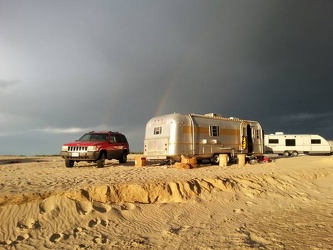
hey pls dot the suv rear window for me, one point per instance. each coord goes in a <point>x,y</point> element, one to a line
<point>120,138</point>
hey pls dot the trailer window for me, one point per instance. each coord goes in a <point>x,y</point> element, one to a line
<point>157,130</point>
<point>273,141</point>
<point>214,130</point>
<point>315,141</point>
<point>290,142</point>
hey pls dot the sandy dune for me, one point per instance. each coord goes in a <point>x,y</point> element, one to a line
<point>285,204</point>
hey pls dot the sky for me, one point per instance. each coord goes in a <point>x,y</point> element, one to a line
<point>71,66</point>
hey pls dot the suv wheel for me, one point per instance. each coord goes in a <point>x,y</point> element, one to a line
<point>101,161</point>
<point>123,158</point>
<point>69,163</point>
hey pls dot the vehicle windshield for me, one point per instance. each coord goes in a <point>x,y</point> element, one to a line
<point>94,137</point>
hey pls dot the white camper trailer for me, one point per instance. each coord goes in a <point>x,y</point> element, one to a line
<point>169,136</point>
<point>294,144</point>
<point>331,145</point>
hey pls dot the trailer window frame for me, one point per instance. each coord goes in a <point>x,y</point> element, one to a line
<point>157,130</point>
<point>214,131</point>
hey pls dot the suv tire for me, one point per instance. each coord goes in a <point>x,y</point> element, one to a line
<point>123,158</point>
<point>69,163</point>
<point>101,161</point>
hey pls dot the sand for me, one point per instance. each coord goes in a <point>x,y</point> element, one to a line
<point>284,204</point>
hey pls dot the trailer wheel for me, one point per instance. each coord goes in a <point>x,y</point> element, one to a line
<point>286,153</point>
<point>215,159</point>
<point>294,153</point>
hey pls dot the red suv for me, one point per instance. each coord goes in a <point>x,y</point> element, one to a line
<point>96,147</point>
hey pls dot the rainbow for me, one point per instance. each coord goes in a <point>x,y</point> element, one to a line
<point>165,97</point>
<point>187,59</point>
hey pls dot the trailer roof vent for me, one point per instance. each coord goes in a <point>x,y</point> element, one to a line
<point>213,115</point>
<point>233,118</point>
<point>279,133</point>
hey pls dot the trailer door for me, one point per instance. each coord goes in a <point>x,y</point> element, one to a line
<point>249,141</point>
<point>256,136</point>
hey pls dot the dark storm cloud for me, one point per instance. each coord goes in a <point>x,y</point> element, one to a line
<point>115,64</point>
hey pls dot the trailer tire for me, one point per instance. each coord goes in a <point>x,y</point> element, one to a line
<point>286,153</point>
<point>215,159</point>
<point>294,153</point>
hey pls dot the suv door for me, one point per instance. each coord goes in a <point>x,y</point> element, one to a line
<point>118,146</point>
<point>112,149</point>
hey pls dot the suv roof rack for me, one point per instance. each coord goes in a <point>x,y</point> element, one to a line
<point>93,131</point>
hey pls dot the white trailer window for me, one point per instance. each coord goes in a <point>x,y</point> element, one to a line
<point>157,130</point>
<point>273,141</point>
<point>290,142</point>
<point>315,141</point>
<point>214,130</point>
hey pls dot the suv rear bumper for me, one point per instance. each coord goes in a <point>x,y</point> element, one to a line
<point>80,156</point>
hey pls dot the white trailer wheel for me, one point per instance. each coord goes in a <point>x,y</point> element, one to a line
<point>294,153</point>
<point>285,153</point>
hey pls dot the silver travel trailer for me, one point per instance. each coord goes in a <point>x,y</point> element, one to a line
<point>167,137</point>
<point>294,144</point>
